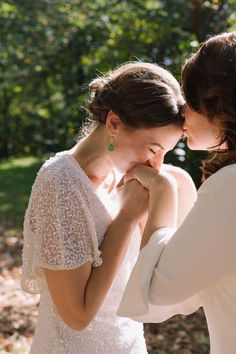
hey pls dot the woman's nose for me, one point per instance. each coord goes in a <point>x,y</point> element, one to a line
<point>157,160</point>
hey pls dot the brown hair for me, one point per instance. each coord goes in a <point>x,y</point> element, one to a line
<point>141,94</point>
<point>209,85</point>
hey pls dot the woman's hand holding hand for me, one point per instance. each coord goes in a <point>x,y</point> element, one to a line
<point>163,197</point>
<point>171,194</point>
<point>153,180</point>
<point>134,200</point>
<point>143,174</point>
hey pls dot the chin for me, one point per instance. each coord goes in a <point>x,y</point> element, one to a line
<point>197,148</point>
<point>193,146</point>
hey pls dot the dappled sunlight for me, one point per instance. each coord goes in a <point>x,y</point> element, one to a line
<point>50,50</point>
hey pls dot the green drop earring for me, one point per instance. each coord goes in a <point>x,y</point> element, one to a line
<point>111,146</point>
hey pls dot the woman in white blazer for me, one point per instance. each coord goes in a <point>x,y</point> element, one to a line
<point>182,268</point>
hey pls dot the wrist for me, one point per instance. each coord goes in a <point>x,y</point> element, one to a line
<point>162,180</point>
<point>127,219</point>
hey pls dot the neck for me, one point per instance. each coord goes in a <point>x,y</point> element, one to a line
<point>91,153</point>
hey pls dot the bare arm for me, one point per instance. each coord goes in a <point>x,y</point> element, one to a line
<point>79,293</point>
<point>187,193</point>
<point>163,207</point>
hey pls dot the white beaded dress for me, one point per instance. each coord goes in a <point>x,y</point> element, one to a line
<point>64,225</point>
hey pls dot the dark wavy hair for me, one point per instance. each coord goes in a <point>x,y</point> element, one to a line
<point>143,95</point>
<point>209,86</point>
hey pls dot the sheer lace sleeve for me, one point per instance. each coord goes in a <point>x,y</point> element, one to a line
<point>65,235</point>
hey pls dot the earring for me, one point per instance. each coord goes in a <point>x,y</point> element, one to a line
<point>111,146</point>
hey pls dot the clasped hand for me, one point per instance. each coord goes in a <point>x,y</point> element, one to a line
<point>141,185</point>
<point>151,179</point>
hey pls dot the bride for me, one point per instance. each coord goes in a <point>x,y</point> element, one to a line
<point>80,241</point>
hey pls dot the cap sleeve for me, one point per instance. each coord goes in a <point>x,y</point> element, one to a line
<point>65,235</point>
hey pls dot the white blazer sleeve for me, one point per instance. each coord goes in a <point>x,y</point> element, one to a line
<point>171,271</point>
<point>135,302</point>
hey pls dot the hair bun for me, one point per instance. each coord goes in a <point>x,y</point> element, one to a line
<point>141,94</point>
<point>98,83</point>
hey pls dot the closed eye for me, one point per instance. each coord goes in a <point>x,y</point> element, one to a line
<point>154,152</point>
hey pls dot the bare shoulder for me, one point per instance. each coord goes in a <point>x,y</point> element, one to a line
<point>182,176</point>
<point>187,193</point>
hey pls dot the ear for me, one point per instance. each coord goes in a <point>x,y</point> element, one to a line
<point>113,123</point>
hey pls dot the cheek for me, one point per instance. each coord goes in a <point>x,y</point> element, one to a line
<point>130,150</point>
<point>136,157</point>
<point>126,156</point>
<point>192,127</point>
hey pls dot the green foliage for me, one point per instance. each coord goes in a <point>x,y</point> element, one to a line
<point>50,50</point>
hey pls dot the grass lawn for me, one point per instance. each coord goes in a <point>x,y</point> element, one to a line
<point>16,178</point>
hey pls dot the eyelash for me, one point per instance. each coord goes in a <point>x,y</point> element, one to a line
<point>153,152</point>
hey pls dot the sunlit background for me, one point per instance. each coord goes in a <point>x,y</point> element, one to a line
<point>49,51</point>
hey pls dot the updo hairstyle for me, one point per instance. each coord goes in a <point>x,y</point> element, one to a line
<point>143,95</point>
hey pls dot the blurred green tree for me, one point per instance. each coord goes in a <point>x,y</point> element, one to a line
<point>50,49</point>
